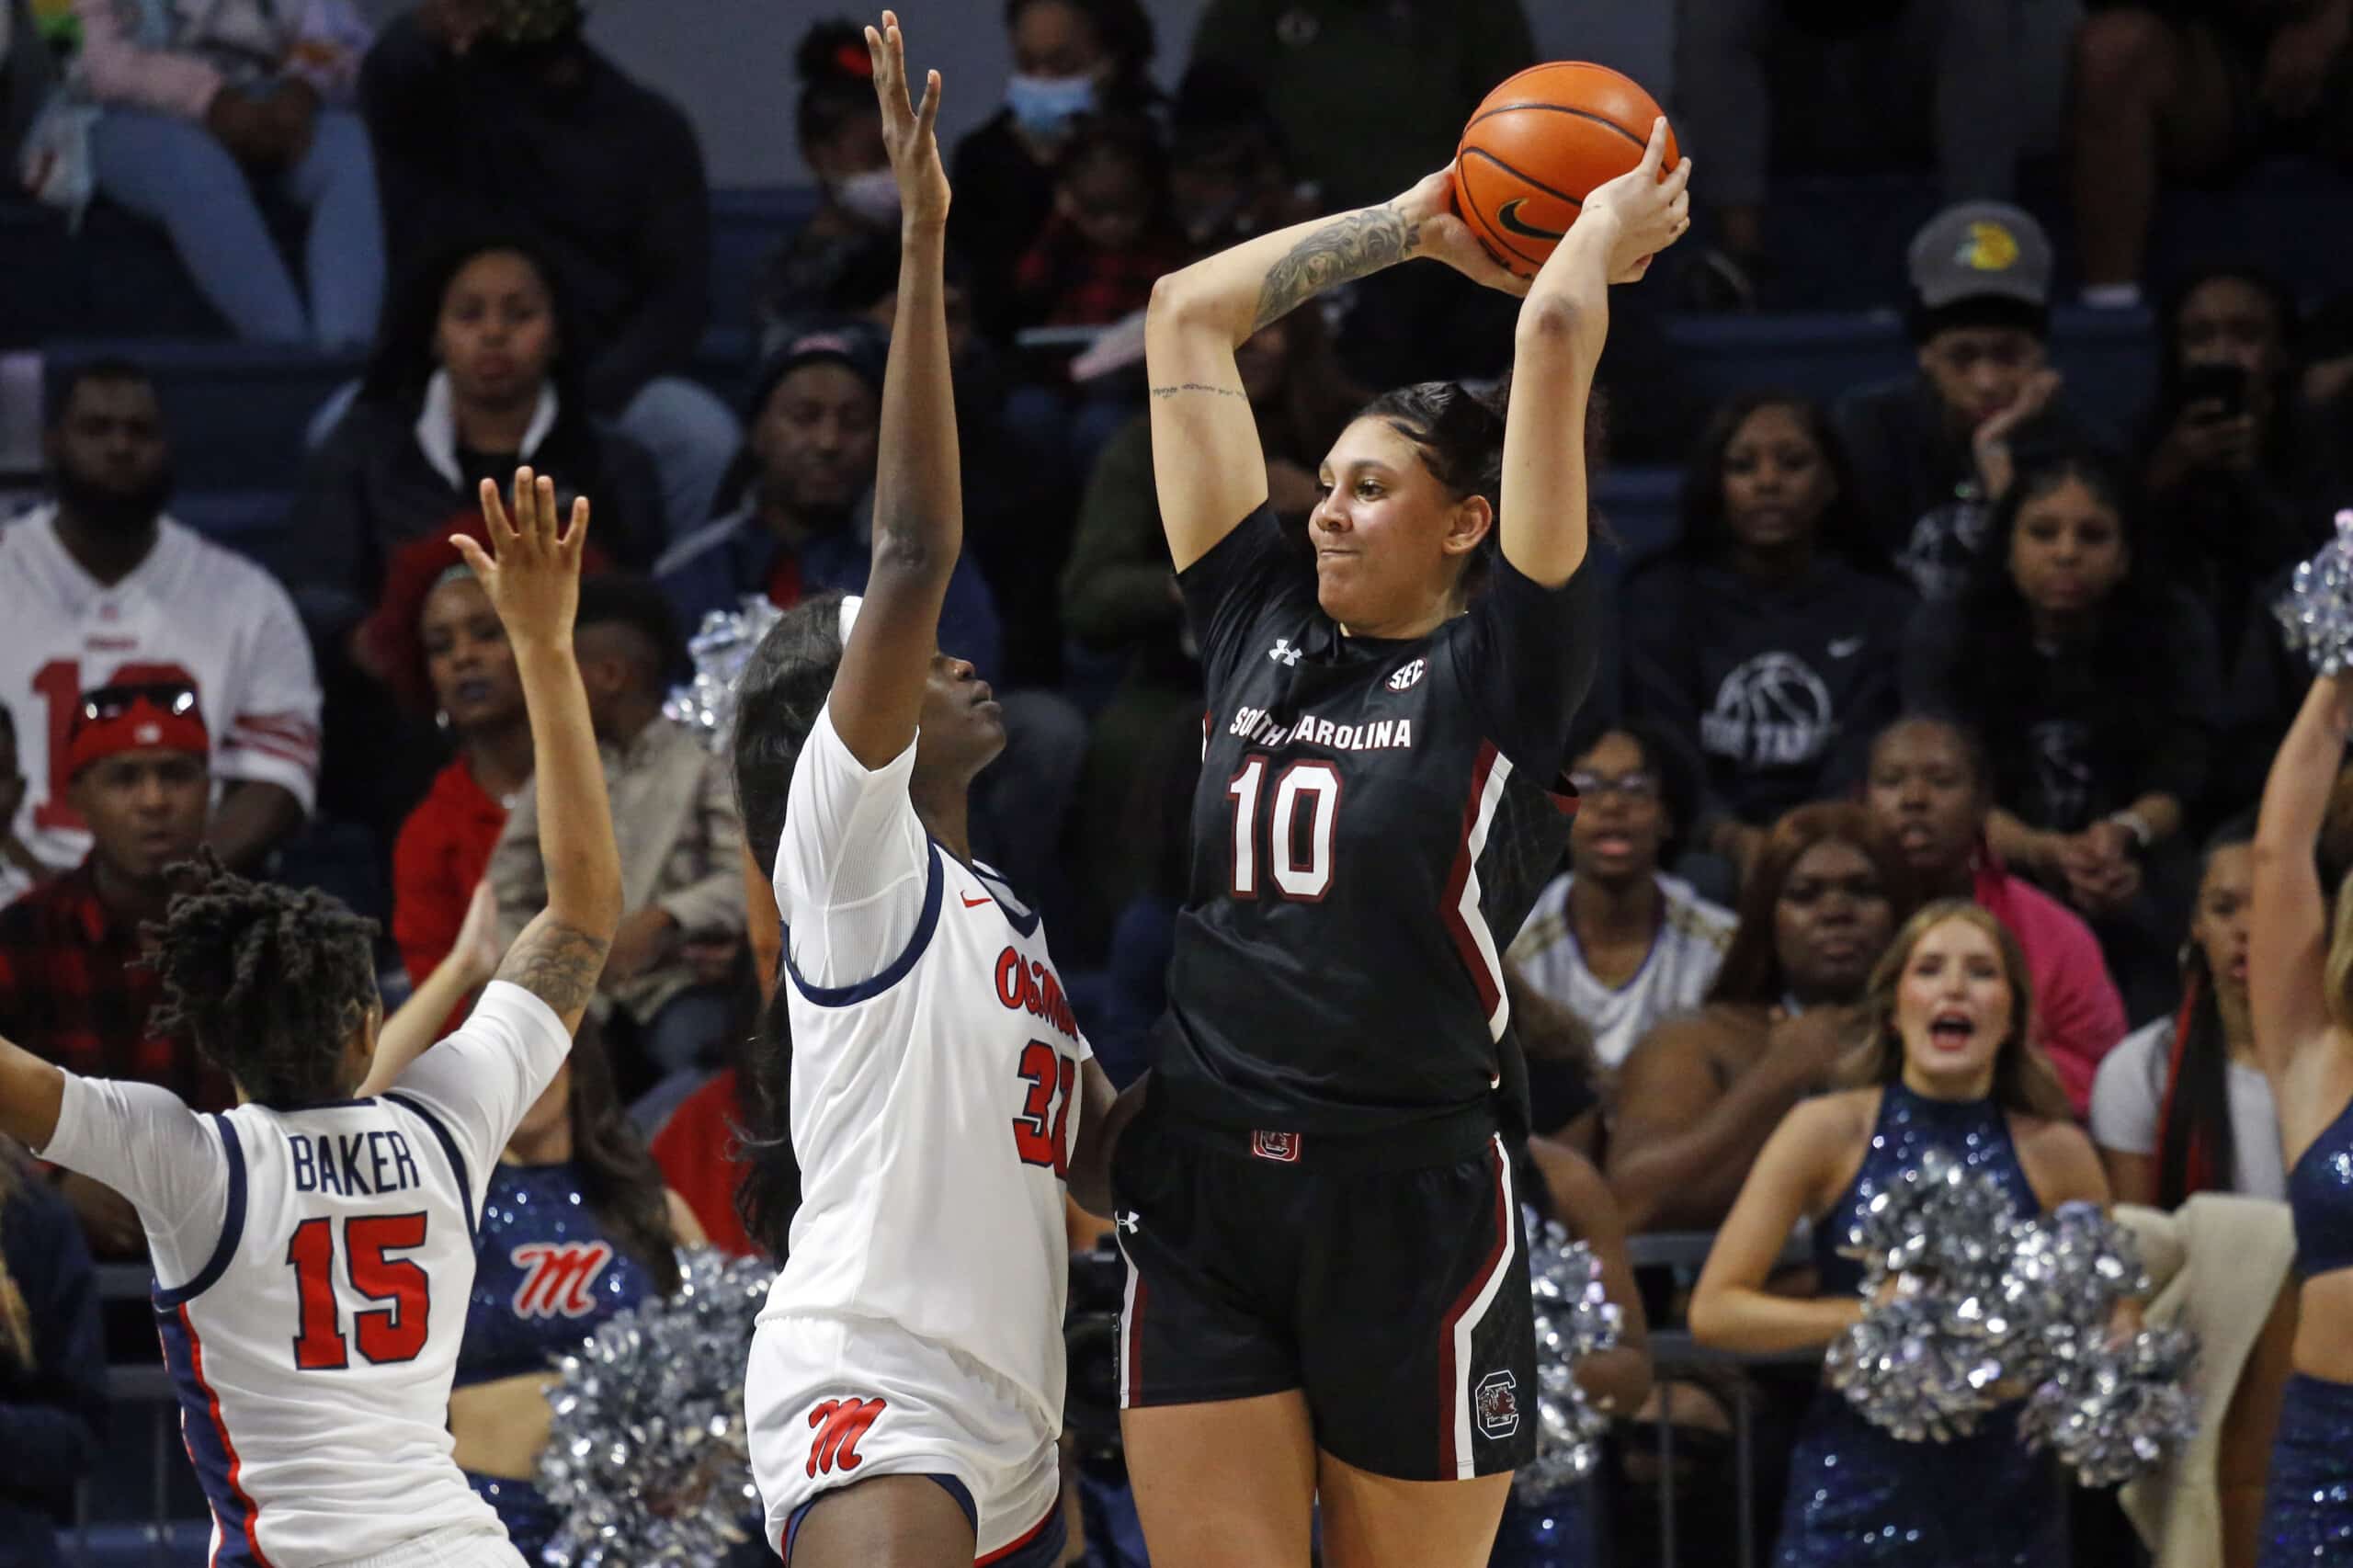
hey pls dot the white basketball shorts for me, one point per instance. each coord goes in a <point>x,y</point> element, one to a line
<point>831,1401</point>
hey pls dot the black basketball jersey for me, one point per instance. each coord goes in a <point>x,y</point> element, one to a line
<point>1373,822</point>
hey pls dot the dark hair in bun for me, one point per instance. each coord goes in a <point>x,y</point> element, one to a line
<point>836,80</point>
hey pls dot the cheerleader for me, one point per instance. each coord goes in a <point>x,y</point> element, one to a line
<point>1946,1063</point>
<point>2300,989</point>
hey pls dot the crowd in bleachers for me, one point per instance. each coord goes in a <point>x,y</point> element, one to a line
<point>1994,623</point>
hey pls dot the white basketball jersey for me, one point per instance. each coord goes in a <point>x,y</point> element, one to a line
<point>934,1081</point>
<point>324,1258</point>
<point>191,612</point>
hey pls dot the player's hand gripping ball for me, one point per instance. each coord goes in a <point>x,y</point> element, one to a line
<point>1538,145</point>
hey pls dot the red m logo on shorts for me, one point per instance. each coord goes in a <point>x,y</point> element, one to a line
<point>840,1423</point>
<point>557,1278</point>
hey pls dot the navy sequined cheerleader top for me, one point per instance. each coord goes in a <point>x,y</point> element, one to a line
<point>1857,1498</point>
<point>2320,1195</point>
<point>1975,1132</point>
<point>546,1275</point>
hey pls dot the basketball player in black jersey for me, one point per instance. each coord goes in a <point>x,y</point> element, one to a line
<point>1328,1289</point>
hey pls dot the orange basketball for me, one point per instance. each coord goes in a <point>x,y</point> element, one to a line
<point>1538,145</point>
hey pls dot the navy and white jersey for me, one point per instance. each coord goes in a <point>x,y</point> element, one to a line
<point>936,1091</point>
<point>311,1271</point>
<point>1373,822</point>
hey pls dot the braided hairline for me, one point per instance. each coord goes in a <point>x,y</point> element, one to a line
<point>267,982</point>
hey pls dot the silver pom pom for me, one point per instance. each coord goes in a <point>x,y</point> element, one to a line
<point>2316,612</point>
<point>1574,1318</point>
<point>1904,1370</point>
<point>707,703</point>
<point>647,1454</point>
<point>2112,1411</point>
<point>1929,1353</point>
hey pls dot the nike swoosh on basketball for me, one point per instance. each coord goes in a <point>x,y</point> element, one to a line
<point>1509,216</point>
<point>971,902</point>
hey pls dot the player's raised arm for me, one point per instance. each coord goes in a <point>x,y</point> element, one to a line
<point>532,575</point>
<point>919,498</point>
<point>2288,911</point>
<point>1557,347</point>
<point>1207,465</point>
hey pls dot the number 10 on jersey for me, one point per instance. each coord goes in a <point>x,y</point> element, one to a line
<point>1301,872</point>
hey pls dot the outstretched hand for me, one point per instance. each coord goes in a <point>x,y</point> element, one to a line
<point>532,570</point>
<point>1649,206</point>
<point>908,127</point>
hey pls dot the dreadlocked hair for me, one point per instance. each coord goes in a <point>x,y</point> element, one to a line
<point>267,982</point>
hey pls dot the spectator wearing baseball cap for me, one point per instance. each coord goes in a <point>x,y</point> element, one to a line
<point>1933,452</point>
<point>74,986</point>
<point>798,519</point>
<point>796,511</point>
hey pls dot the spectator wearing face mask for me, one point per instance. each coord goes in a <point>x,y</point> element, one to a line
<point>840,136</point>
<point>1071,59</point>
<point>1934,451</point>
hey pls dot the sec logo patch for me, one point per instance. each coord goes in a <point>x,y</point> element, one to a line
<point>1408,675</point>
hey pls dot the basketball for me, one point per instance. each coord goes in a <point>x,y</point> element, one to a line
<point>1538,145</point>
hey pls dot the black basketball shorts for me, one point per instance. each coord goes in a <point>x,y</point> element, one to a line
<point>1386,1277</point>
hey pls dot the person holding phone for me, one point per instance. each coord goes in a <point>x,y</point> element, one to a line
<point>2229,464</point>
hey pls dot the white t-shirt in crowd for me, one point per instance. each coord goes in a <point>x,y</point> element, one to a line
<point>2129,1101</point>
<point>1683,961</point>
<point>191,612</point>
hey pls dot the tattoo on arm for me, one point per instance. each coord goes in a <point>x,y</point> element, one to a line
<point>1356,245</point>
<point>1164,394</point>
<point>557,963</point>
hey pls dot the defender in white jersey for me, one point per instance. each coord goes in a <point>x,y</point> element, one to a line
<point>313,1247</point>
<point>102,589</point>
<point>905,1388</point>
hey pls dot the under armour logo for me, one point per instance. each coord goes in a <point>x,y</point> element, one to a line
<point>1283,654</point>
<point>1125,1219</point>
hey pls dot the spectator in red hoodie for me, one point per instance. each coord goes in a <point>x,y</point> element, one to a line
<point>1927,784</point>
<point>435,641</point>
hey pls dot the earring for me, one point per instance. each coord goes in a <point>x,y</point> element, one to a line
<point>441,720</point>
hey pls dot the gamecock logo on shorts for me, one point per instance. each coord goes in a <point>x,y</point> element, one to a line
<point>1280,1147</point>
<point>1499,1404</point>
<point>840,1423</point>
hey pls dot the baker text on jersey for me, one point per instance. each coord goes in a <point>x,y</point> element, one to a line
<point>352,1164</point>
